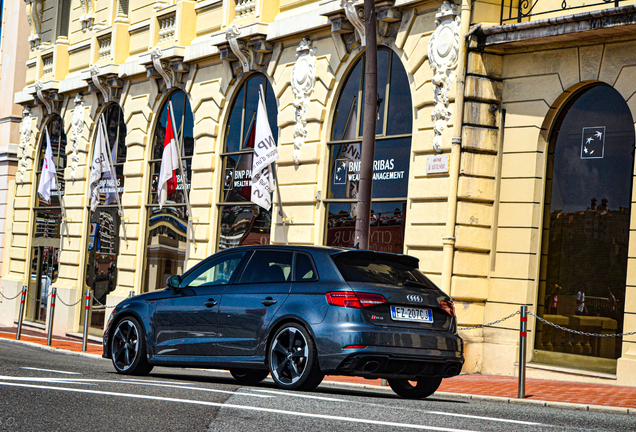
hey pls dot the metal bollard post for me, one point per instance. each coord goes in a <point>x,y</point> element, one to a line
<point>49,331</point>
<point>87,310</point>
<point>22,299</point>
<point>131,294</point>
<point>522,352</point>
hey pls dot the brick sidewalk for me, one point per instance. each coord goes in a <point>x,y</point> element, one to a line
<point>476,384</point>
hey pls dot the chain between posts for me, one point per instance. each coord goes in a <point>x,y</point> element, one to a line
<point>40,299</point>
<point>102,304</point>
<point>580,332</point>
<point>66,304</point>
<point>489,324</point>
<point>11,298</point>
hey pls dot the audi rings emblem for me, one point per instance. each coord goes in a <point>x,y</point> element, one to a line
<point>414,298</point>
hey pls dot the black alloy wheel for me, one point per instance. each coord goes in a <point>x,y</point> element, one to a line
<point>293,361</point>
<point>128,348</point>
<point>424,387</point>
<point>249,377</point>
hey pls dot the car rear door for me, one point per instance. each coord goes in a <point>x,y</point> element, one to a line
<point>247,307</point>
<point>186,321</point>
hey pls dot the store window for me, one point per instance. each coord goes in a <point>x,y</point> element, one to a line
<point>391,163</point>
<point>586,227</point>
<point>241,222</point>
<point>166,242</point>
<point>45,250</point>
<point>103,239</point>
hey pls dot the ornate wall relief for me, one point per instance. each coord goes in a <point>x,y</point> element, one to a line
<point>25,141</point>
<point>109,85</point>
<point>162,67</point>
<point>87,18</point>
<point>35,13</point>
<point>238,47</point>
<point>303,80</point>
<point>77,127</point>
<point>354,18</point>
<point>443,49</point>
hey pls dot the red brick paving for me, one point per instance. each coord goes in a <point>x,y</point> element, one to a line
<point>474,384</point>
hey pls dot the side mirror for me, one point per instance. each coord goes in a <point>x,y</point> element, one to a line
<point>174,283</point>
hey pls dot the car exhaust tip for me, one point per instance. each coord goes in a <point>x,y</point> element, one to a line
<point>371,366</point>
<point>451,370</point>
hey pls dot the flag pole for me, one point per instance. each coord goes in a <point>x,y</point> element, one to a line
<point>64,226</point>
<point>113,174</point>
<point>186,192</point>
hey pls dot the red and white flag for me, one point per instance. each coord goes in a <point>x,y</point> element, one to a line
<point>48,178</point>
<point>169,164</point>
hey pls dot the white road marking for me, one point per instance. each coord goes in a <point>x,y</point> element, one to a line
<point>241,407</point>
<point>401,408</point>
<point>88,380</point>
<point>50,370</point>
<point>153,381</point>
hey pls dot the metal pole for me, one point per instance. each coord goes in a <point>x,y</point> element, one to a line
<point>363,216</point>
<point>87,310</point>
<point>49,331</point>
<point>22,299</point>
<point>522,352</point>
<point>131,293</point>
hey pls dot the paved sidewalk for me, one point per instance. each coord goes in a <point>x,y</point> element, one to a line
<point>584,396</point>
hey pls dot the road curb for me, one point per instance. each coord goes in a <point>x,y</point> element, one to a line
<point>54,349</point>
<point>386,389</point>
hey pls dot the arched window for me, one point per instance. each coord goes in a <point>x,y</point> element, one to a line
<point>168,226</point>
<point>45,252</point>
<point>241,222</point>
<point>586,227</point>
<point>103,240</point>
<point>391,163</point>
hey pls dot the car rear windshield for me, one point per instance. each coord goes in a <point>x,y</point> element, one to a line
<point>374,268</point>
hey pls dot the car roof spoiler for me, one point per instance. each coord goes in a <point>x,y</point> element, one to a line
<point>369,255</point>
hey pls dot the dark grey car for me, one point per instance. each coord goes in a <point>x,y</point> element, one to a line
<point>297,312</point>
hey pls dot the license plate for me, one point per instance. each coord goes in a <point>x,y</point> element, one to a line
<point>411,314</point>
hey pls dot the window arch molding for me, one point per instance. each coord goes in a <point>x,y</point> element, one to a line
<point>587,189</point>
<point>394,129</point>
<point>241,222</point>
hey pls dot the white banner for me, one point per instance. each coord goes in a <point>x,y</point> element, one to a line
<point>265,153</point>
<point>47,177</point>
<point>101,165</point>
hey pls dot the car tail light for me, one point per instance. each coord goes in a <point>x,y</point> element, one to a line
<point>355,347</point>
<point>448,307</point>
<point>352,299</point>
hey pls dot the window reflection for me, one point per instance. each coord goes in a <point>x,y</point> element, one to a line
<point>589,204</point>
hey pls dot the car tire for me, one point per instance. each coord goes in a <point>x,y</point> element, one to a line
<point>249,377</point>
<point>293,359</point>
<point>128,348</point>
<point>424,387</point>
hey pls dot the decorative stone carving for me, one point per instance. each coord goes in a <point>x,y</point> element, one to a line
<point>238,47</point>
<point>97,82</point>
<point>87,19</point>
<point>443,49</point>
<point>244,9</point>
<point>77,127</point>
<point>303,80</point>
<point>25,141</point>
<point>35,13</point>
<point>42,97</point>
<point>162,67</point>
<point>352,16</point>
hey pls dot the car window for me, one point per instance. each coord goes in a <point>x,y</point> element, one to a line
<point>215,272</point>
<point>375,269</point>
<point>305,269</point>
<point>267,266</point>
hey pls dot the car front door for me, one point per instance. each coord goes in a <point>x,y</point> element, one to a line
<point>247,307</point>
<point>186,320</point>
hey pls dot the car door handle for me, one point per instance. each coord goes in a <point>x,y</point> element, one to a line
<point>268,301</point>
<point>211,303</point>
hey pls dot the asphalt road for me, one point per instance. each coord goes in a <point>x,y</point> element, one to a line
<point>51,391</point>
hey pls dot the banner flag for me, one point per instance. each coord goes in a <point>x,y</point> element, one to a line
<point>265,153</point>
<point>48,175</point>
<point>101,166</point>
<point>169,163</point>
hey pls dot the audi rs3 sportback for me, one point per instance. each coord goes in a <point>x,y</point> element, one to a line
<point>297,312</point>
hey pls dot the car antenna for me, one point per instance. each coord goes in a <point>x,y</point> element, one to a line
<point>357,246</point>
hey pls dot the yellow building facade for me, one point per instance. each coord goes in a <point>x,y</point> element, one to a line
<point>489,165</point>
